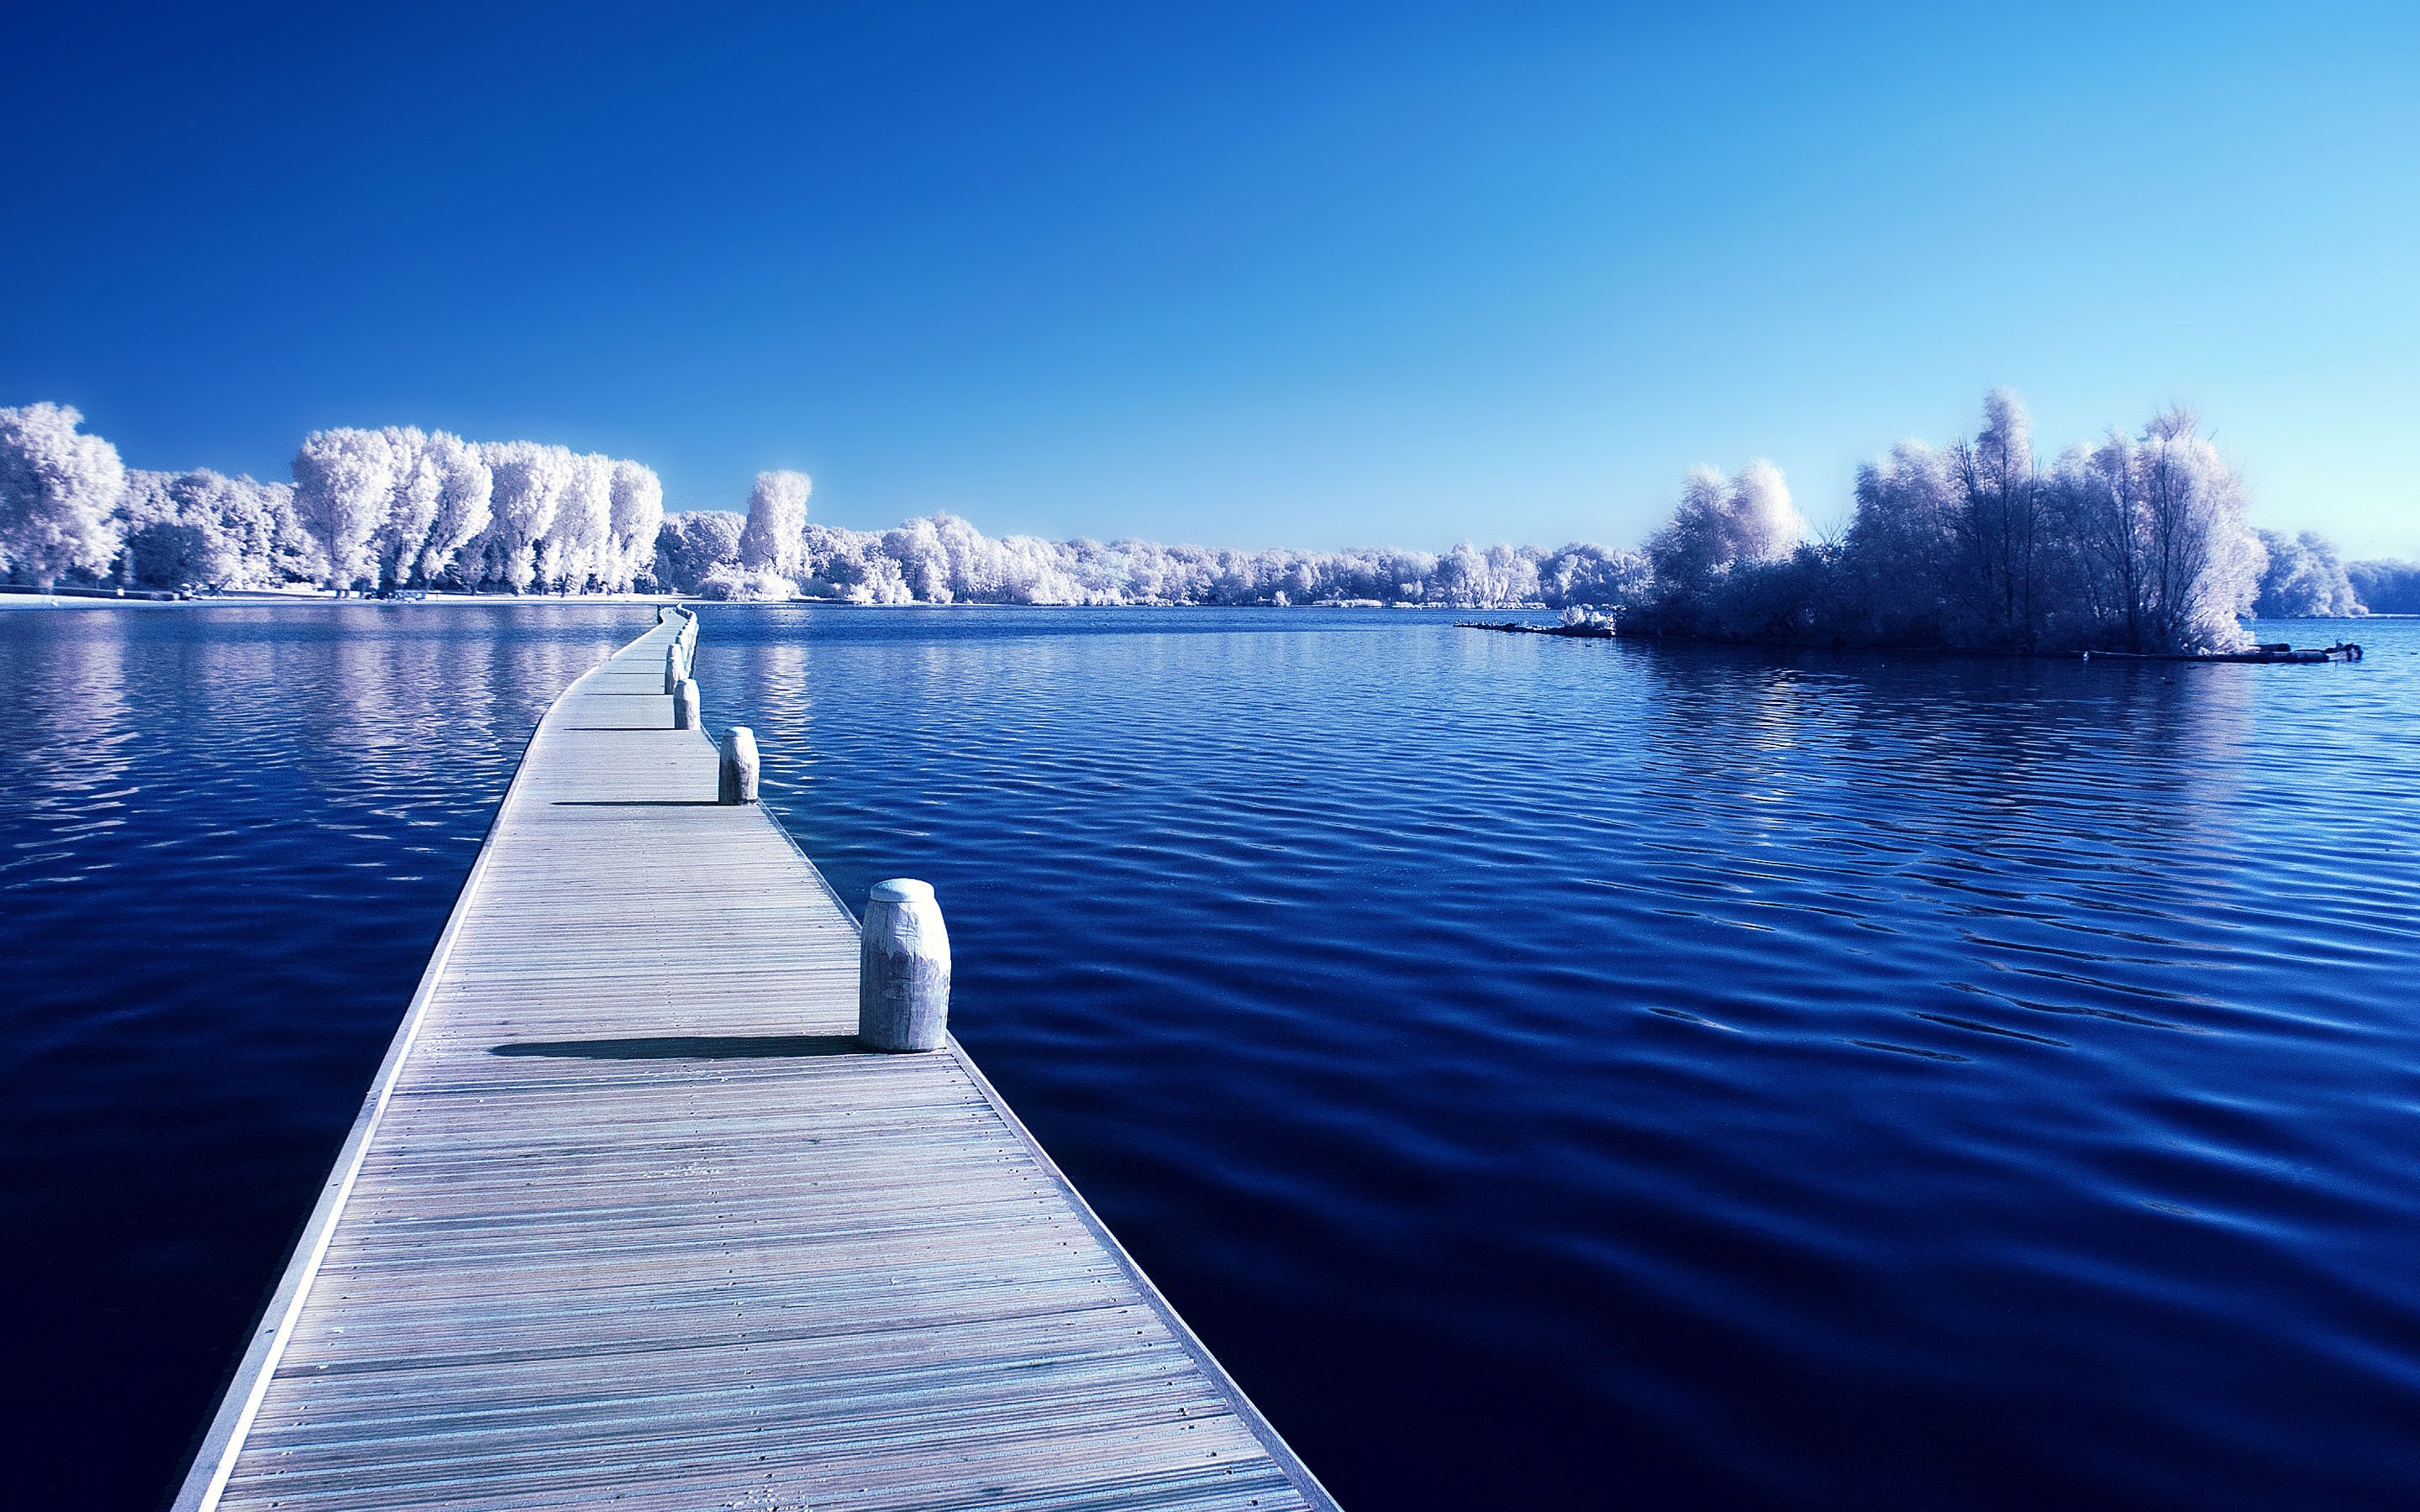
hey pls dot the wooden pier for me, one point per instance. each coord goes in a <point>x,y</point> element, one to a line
<point>629,1218</point>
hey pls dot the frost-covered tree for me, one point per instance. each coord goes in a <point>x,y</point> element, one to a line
<point>638,497</point>
<point>2303,578</point>
<point>1720,523</point>
<point>1903,552</point>
<point>2153,524</point>
<point>203,527</point>
<point>1997,520</point>
<point>774,540</point>
<point>343,482</point>
<point>2205,559</point>
<point>396,545</point>
<point>923,558</point>
<point>527,483</point>
<point>691,545</point>
<point>168,541</point>
<point>2134,544</point>
<point>579,548</point>
<point>466,487</point>
<point>1497,578</point>
<point>1721,529</point>
<point>1583,575</point>
<point>58,491</point>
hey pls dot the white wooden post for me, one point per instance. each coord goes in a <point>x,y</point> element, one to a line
<point>737,782</point>
<point>675,668</point>
<point>903,969</point>
<point>685,705</point>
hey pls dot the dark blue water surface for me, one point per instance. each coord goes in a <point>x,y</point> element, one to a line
<point>1547,1072</point>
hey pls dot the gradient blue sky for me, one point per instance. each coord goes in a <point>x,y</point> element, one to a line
<point>1243,275</point>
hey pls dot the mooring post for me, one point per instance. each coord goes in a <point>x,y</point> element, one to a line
<point>675,668</point>
<point>685,705</point>
<point>737,781</point>
<point>903,968</point>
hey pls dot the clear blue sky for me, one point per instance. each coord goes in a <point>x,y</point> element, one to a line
<point>1242,275</point>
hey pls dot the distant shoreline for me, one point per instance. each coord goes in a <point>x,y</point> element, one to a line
<point>18,598</point>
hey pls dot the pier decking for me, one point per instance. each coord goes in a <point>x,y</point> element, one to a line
<point>628,1218</point>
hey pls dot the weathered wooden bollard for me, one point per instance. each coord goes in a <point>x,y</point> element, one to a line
<point>685,705</point>
<point>737,781</point>
<point>903,969</point>
<point>675,668</point>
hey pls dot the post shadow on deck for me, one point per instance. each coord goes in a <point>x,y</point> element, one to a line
<point>903,998</point>
<point>688,1047</point>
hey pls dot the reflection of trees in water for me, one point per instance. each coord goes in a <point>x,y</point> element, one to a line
<point>771,664</point>
<point>74,738</point>
<point>398,701</point>
<point>2031,814</point>
<point>1979,736</point>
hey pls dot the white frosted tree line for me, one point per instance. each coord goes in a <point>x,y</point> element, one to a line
<point>392,507</point>
<point>944,559</point>
<point>204,527</point>
<point>2135,542</point>
<point>774,550</point>
<point>400,507</point>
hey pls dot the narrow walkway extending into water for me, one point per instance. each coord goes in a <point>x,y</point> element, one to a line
<point>628,1218</point>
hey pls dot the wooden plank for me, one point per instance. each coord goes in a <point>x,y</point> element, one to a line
<point>627,1217</point>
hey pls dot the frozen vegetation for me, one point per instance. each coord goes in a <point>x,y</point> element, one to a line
<point>943,559</point>
<point>2386,587</point>
<point>2301,578</point>
<point>392,508</point>
<point>2135,541</point>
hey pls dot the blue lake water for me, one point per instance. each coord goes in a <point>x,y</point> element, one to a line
<point>1547,1072</point>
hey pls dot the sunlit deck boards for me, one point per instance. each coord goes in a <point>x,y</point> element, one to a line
<point>628,1220</point>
